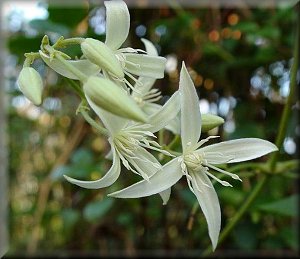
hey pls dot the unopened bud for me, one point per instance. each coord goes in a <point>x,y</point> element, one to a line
<point>108,96</point>
<point>210,121</point>
<point>101,55</point>
<point>31,84</point>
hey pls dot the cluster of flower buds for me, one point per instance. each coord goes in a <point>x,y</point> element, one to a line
<point>116,83</point>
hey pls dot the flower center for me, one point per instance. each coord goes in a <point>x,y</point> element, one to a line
<point>194,161</point>
<point>128,143</point>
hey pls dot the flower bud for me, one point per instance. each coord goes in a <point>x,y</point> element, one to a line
<point>108,96</point>
<point>101,55</point>
<point>31,84</point>
<point>210,121</point>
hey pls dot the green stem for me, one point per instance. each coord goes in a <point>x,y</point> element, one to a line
<point>174,142</point>
<point>94,124</point>
<point>76,72</point>
<point>76,87</point>
<point>279,141</point>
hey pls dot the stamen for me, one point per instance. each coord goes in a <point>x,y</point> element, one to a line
<point>224,183</point>
<point>234,176</point>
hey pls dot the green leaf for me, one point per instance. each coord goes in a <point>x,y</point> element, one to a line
<point>284,207</point>
<point>97,209</point>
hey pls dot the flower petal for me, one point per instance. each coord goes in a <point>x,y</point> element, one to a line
<point>142,86</point>
<point>117,23</point>
<point>237,150</point>
<point>150,48</point>
<point>151,108</point>
<point>145,65</point>
<point>167,113</point>
<point>209,203</point>
<point>84,65</point>
<point>190,112</point>
<point>145,161</point>
<point>174,125</point>
<point>165,195</point>
<point>112,122</point>
<point>108,179</point>
<point>160,181</point>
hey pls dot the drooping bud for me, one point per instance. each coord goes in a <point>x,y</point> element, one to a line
<point>31,84</point>
<point>108,96</point>
<point>210,121</point>
<point>101,55</point>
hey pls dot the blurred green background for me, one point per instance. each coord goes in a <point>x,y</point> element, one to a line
<point>239,60</point>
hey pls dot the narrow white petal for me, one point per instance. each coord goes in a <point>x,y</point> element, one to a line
<point>142,86</point>
<point>167,113</point>
<point>174,125</point>
<point>237,150</point>
<point>85,66</point>
<point>146,161</point>
<point>151,108</point>
<point>108,179</point>
<point>209,203</point>
<point>112,122</point>
<point>150,48</point>
<point>160,181</point>
<point>117,23</point>
<point>190,112</point>
<point>165,195</point>
<point>145,65</point>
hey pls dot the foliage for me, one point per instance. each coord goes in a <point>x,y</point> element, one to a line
<point>240,59</point>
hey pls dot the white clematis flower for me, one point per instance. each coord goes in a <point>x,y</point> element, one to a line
<point>117,62</point>
<point>129,141</point>
<point>146,96</point>
<point>195,161</point>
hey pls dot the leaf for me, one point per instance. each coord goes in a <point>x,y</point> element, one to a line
<point>284,207</point>
<point>97,209</point>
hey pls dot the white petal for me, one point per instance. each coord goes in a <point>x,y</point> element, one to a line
<point>190,112</point>
<point>160,181</point>
<point>237,150</point>
<point>209,203</point>
<point>143,85</point>
<point>150,48</point>
<point>145,161</point>
<point>84,65</point>
<point>108,179</point>
<point>145,65</point>
<point>165,195</point>
<point>168,112</point>
<point>151,108</point>
<point>112,122</point>
<point>174,125</point>
<point>117,23</point>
